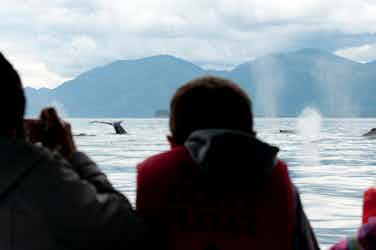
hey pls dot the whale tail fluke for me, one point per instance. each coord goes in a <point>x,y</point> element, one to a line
<point>116,125</point>
<point>118,128</point>
<point>101,122</point>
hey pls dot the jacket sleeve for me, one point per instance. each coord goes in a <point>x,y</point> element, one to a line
<point>82,208</point>
<point>89,171</point>
<point>304,235</point>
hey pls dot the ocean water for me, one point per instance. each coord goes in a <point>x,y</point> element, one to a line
<point>329,161</point>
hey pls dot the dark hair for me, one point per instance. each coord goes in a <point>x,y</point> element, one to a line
<point>12,98</point>
<point>209,103</point>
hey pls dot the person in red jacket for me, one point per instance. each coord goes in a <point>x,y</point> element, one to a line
<point>219,187</point>
<point>365,239</point>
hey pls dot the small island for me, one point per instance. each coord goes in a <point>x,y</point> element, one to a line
<point>161,113</point>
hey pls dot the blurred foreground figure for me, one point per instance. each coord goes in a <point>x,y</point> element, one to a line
<point>52,196</point>
<point>219,187</point>
<point>366,236</point>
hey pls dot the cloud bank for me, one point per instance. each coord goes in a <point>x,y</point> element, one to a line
<point>50,41</point>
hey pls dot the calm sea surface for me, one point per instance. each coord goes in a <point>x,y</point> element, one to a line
<point>328,159</point>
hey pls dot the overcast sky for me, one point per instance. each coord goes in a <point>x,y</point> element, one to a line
<point>50,41</point>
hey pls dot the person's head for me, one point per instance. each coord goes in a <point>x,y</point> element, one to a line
<point>12,99</point>
<point>209,103</point>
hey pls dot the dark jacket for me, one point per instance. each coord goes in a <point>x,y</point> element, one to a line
<point>219,166</point>
<point>47,202</point>
<point>216,150</point>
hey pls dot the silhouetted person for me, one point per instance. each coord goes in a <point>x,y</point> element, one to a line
<point>52,196</point>
<point>219,187</point>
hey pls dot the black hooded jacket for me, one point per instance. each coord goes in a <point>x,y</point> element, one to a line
<point>50,203</point>
<point>225,156</point>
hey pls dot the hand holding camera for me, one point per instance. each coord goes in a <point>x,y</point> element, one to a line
<point>51,131</point>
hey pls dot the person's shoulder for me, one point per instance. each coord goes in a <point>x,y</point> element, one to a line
<point>281,167</point>
<point>280,163</point>
<point>164,159</point>
<point>173,154</point>
<point>343,245</point>
<point>281,173</point>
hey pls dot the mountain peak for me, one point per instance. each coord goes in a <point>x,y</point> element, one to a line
<point>157,60</point>
<point>314,54</point>
<point>164,57</point>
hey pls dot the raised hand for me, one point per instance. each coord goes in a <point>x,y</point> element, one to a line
<point>58,135</point>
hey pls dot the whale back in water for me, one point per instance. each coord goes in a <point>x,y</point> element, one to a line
<point>116,125</point>
<point>82,134</point>
<point>372,133</point>
<point>287,131</point>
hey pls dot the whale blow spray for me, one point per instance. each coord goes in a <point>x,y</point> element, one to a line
<point>309,129</point>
